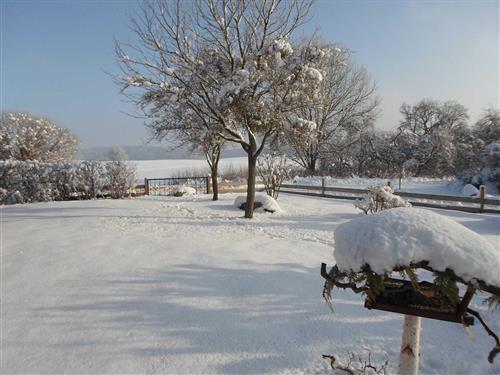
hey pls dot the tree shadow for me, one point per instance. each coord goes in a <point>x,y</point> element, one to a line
<point>262,318</point>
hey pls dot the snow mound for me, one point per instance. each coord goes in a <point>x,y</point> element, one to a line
<point>182,190</point>
<point>470,190</point>
<point>268,203</point>
<point>404,235</point>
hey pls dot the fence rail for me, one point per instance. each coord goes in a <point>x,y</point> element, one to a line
<point>473,204</point>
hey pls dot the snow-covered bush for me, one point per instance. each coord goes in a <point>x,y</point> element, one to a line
<point>27,137</point>
<point>120,175</point>
<point>27,181</point>
<point>34,181</point>
<point>182,190</point>
<point>273,169</point>
<point>262,202</point>
<point>92,173</point>
<point>380,198</point>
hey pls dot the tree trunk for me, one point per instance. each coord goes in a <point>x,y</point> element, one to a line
<point>311,168</point>
<point>410,346</point>
<point>252,166</point>
<point>215,183</point>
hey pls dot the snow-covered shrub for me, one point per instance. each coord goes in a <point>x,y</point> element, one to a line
<point>262,202</point>
<point>273,169</point>
<point>180,191</point>
<point>380,198</point>
<point>26,181</point>
<point>27,137</point>
<point>120,175</point>
<point>7,197</point>
<point>34,181</point>
<point>92,175</point>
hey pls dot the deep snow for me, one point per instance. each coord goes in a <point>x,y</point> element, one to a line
<point>186,285</point>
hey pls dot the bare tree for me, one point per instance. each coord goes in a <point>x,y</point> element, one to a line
<point>228,62</point>
<point>343,104</point>
<point>195,132</point>
<point>27,137</point>
<point>487,128</point>
<point>427,132</point>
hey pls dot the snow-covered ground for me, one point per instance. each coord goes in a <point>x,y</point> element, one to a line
<point>169,168</point>
<point>186,285</point>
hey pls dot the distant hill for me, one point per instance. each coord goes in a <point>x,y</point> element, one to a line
<point>150,153</point>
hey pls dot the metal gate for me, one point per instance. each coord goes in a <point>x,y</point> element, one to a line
<point>165,186</point>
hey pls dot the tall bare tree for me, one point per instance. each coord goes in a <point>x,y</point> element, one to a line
<point>342,105</point>
<point>227,61</point>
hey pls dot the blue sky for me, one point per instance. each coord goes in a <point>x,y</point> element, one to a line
<point>55,56</point>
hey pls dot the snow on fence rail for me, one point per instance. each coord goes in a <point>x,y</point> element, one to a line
<point>472,204</point>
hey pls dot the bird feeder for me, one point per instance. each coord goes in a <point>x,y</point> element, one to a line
<point>400,296</point>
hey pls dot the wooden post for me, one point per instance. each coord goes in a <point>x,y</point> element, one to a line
<point>146,186</point>
<point>482,193</point>
<point>323,186</point>
<point>410,346</point>
<point>208,184</point>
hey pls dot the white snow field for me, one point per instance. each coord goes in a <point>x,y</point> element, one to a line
<point>168,168</point>
<point>165,285</point>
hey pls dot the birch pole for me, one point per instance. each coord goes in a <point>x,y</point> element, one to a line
<point>410,346</point>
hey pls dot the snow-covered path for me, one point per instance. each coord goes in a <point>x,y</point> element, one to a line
<point>186,285</point>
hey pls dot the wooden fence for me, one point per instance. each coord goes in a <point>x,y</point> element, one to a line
<point>479,204</point>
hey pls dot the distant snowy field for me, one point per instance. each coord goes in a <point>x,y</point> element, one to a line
<point>169,168</point>
<point>160,285</point>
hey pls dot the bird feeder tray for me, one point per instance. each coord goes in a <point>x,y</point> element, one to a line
<point>401,297</point>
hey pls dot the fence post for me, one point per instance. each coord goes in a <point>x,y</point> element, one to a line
<point>322,186</point>
<point>146,186</point>
<point>482,193</point>
<point>208,184</point>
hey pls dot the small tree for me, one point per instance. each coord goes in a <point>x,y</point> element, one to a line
<point>120,175</point>
<point>27,137</point>
<point>273,169</point>
<point>196,133</point>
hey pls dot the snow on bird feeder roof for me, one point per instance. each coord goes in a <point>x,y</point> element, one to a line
<point>401,236</point>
